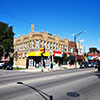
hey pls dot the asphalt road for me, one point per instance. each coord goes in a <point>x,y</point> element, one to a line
<point>78,84</point>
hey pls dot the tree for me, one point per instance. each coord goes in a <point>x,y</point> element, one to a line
<point>6,38</point>
<point>16,55</point>
<point>93,50</point>
<point>65,58</point>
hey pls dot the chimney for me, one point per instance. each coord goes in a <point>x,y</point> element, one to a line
<point>32,27</point>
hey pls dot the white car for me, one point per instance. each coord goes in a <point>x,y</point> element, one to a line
<point>1,64</point>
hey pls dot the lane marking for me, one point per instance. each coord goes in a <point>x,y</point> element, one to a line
<point>45,78</point>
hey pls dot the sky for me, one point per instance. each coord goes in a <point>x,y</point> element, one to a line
<point>59,17</point>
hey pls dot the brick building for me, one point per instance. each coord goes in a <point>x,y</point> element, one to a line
<point>27,47</point>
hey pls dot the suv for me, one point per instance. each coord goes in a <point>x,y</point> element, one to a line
<point>1,64</point>
<point>84,65</point>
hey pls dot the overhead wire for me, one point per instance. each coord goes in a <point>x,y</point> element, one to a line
<point>27,22</point>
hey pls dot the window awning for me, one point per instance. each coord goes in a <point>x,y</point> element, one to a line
<point>38,54</point>
<point>90,58</point>
<point>67,54</point>
<point>57,53</point>
<point>79,57</point>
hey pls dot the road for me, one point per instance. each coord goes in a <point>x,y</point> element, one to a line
<point>78,84</point>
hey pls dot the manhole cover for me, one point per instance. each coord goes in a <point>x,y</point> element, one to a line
<point>73,94</point>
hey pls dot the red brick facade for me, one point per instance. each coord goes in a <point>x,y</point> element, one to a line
<point>71,44</point>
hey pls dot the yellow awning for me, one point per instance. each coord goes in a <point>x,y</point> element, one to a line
<point>46,54</point>
<point>34,54</point>
<point>38,54</point>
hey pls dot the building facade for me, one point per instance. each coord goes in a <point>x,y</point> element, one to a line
<point>28,47</point>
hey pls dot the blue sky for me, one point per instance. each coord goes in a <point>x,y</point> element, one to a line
<point>60,17</point>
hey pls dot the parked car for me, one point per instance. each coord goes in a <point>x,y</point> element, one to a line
<point>1,64</point>
<point>96,65</point>
<point>90,64</point>
<point>84,65</point>
<point>8,66</point>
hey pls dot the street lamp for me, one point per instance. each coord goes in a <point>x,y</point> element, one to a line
<point>75,37</point>
<point>3,52</point>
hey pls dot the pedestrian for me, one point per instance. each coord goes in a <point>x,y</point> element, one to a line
<point>99,67</point>
<point>42,67</point>
<point>51,66</point>
<point>44,63</point>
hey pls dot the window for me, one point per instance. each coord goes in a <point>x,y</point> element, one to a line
<point>37,42</point>
<point>59,46</point>
<point>28,44</point>
<point>33,44</point>
<point>48,45</point>
<point>80,51</point>
<point>51,45</point>
<point>71,50</point>
<point>65,48</point>
<point>41,44</point>
<point>54,46</point>
<point>44,43</point>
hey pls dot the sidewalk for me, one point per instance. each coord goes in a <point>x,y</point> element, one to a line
<point>48,69</point>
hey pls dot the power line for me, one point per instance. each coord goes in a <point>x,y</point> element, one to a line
<point>27,22</point>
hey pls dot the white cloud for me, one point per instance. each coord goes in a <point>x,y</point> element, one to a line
<point>99,40</point>
<point>82,40</point>
<point>73,34</point>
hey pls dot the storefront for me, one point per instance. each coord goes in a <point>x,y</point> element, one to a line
<point>80,59</point>
<point>57,57</point>
<point>34,59</point>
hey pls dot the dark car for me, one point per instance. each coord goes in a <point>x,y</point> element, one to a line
<point>84,65</point>
<point>96,65</point>
<point>8,66</point>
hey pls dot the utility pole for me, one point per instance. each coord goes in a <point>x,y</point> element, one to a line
<point>42,59</point>
<point>76,50</point>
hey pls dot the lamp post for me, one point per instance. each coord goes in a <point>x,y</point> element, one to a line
<point>75,38</point>
<point>3,52</point>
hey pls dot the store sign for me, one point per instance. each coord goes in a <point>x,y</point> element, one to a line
<point>57,53</point>
<point>42,50</point>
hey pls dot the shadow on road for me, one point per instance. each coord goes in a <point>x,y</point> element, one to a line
<point>73,94</point>
<point>97,73</point>
<point>38,91</point>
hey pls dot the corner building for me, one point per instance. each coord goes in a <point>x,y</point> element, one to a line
<point>27,48</point>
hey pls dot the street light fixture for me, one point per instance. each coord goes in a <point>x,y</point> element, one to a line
<point>75,37</point>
